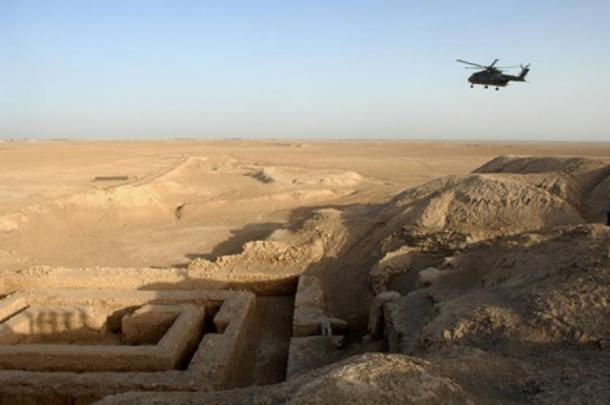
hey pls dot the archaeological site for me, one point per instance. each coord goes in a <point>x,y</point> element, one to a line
<point>487,286</point>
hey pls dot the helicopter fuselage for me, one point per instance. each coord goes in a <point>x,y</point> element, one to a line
<point>495,77</point>
<point>491,79</point>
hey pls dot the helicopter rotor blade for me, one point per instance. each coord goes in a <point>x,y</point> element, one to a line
<point>496,67</point>
<point>471,64</point>
<point>493,63</point>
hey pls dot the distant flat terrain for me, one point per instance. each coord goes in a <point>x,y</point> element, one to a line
<point>164,203</point>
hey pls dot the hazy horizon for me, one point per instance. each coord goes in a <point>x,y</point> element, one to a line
<point>317,70</point>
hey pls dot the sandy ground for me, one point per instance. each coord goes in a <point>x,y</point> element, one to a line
<point>483,268</point>
<point>184,199</point>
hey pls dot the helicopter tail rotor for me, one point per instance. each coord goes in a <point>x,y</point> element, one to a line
<point>524,71</point>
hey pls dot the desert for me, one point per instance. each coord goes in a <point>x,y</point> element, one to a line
<point>300,271</point>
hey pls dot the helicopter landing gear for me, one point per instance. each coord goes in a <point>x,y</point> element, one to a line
<point>497,88</point>
<point>486,86</point>
<point>472,86</point>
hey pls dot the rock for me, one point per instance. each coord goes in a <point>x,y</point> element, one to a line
<point>392,263</point>
<point>428,277</point>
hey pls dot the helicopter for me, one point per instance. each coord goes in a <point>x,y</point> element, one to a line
<point>493,76</point>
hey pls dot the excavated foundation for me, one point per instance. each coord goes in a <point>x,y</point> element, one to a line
<point>75,346</point>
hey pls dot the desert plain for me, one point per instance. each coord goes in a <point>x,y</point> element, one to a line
<point>237,271</point>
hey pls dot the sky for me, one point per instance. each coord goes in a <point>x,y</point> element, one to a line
<point>302,69</point>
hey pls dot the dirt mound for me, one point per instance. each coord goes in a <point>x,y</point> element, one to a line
<point>496,270</point>
<point>298,177</point>
<point>169,216</point>
<point>520,318</point>
<point>584,183</point>
<point>527,165</point>
<point>125,197</point>
<point>495,259</point>
<point>482,206</point>
<point>506,196</point>
<point>371,378</point>
<point>539,289</point>
<point>377,378</point>
<point>345,179</point>
<point>285,252</point>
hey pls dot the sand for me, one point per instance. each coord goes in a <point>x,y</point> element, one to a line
<point>184,200</point>
<point>467,262</point>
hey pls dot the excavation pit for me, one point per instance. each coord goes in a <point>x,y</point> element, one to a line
<point>79,345</point>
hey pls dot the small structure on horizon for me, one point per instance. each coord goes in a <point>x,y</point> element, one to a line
<point>111,178</point>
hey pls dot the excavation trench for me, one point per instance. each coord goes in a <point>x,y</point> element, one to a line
<point>241,340</point>
<point>265,353</point>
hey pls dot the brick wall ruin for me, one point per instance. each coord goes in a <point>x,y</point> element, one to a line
<point>67,346</point>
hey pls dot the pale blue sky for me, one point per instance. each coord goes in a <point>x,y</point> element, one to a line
<point>302,69</point>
